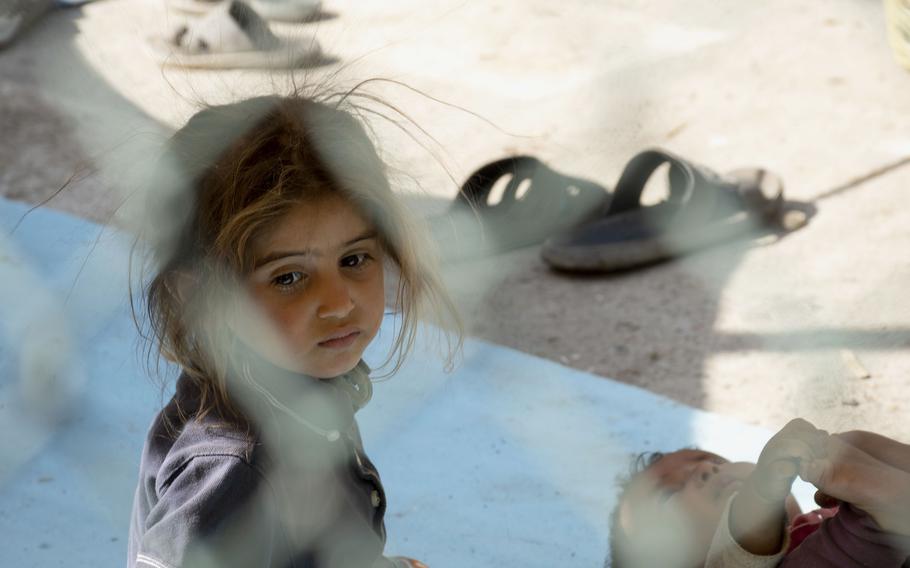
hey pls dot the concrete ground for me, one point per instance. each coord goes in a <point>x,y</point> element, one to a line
<point>814,324</point>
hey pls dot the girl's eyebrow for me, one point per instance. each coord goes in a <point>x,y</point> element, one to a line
<point>370,234</point>
<point>278,255</point>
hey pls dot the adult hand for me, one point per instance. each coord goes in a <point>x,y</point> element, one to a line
<point>758,513</point>
<point>880,447</point>
<point>884,449</point>
<point>779,463</point>
<point>847,473</point>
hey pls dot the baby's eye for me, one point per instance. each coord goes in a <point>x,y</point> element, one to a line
<point>288,279</point>
<point>355,260</point>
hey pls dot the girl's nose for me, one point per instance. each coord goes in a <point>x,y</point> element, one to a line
<point>335,299</point>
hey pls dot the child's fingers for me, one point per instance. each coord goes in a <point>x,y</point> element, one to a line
<point>818,472</point>
<point>786,448</point>
<point>814,438</point>
<point>799,425</point>
<point>772,481</point>
<point>775,485</point>
<point>782,458</point>
<point>785,468</point>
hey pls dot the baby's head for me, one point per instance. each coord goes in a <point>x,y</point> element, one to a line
<point>273,222</point>
<point>669,508</point>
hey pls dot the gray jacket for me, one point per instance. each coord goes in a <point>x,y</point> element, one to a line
<point>294,493</point>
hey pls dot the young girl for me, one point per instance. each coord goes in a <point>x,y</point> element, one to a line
<point>273,223</point>
<point>693,508</point>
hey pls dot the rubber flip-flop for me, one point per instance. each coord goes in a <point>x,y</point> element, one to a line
<point>537,202</point>
<point>703,209</point>
<point>230,36</point>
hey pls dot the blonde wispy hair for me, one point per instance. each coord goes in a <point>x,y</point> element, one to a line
<point>228,175</point>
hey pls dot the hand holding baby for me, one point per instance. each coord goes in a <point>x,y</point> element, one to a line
<point>858,468</point>
<point>838,465</point>
<point>870,480</point>
<point>784,457</point>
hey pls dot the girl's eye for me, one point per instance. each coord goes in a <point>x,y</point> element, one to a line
<point>288,279</point>
<point>355,260</point>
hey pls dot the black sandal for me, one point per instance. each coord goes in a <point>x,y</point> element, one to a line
<point>474,227</point>
<point>703,209</point>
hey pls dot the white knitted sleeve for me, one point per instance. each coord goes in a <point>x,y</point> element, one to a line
<point>725,552</point>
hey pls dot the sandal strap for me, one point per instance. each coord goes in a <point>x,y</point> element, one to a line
<point>631,184</point>
<point>232,27</point>
<point>690,183</point>
<point>554,202</point>
<point>253,24</point>
<point>552,194</point>
<point>475,190</point>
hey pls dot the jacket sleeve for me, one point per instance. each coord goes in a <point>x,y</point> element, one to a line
<point>216,510</point>
<point>847,540</point>
<point>725,552</point>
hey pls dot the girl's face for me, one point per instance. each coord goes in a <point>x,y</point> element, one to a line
<point>318,279</point>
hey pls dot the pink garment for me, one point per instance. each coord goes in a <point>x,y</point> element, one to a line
<point>847,539</point>
<point>806,524</point>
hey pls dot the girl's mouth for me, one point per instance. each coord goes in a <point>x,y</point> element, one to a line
<point>340,342</point>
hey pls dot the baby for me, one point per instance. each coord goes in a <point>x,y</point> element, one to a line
<point>693,508</point>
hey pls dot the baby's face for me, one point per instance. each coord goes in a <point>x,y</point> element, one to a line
<point>681,497</point>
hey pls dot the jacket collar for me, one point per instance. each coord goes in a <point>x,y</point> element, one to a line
<point>321,404</point>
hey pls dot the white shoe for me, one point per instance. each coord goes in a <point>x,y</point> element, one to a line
<point>233,36</point>
<point>286,10</point>
<point>277,10</point>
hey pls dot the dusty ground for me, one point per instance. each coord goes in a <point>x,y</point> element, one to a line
<point>815,324</point>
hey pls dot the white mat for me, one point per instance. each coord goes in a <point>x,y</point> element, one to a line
<point>509,461</point>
